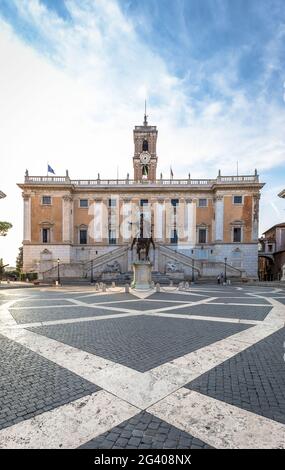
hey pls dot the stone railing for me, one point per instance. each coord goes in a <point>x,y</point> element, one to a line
<point>47,180</point>
<point>104,258</point>
<point>59,180</point>
<point>237,179</point>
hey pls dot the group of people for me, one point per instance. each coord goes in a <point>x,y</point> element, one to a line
<point>220,278</point>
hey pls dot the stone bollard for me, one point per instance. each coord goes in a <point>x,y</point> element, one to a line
<point>113,284</point>
<point>187,285</point>
<point>127,288</point>
<point>157,286</point>
<point>97,286</point>
<point>171,283</point>
<point>104,288</point>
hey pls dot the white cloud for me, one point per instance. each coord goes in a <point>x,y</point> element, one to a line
<point>75,106</point>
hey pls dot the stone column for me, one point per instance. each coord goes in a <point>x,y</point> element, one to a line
<point>105,224</point>
<point>126,228</point>
<point>219,218</point>
<point>191,221</point>
<point>159,222</point>
<point>98,227</point>
<point>255,216</point>
<point>67,226</point>
<point>27,218</point>
<point>168,220</point>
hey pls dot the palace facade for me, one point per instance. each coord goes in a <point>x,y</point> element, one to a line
<point>197,225</point>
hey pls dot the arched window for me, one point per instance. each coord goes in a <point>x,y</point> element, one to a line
<point>145,145</point>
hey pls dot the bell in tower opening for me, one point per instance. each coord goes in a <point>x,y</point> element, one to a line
<point>145,146</point>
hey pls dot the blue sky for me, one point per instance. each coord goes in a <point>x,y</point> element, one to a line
<point>76,72</point>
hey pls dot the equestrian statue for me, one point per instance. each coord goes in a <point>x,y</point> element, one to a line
<point>142,244</point>
<point>143,238</point>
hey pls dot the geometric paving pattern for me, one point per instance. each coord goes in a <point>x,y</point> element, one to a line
<point>246,312</point>
<point>155,370</point>
<point>54,313</point>
<point>253,379</point>
<point>140,342</point>
<point>145,431</point>
<point>30,384</point>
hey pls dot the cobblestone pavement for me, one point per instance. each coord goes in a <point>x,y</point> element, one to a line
<point>50,313</point>
<point>246,312</point>
<point>253,380</point>
<point>173,369</point>
<point>142,342</point>
<point>145,431</point>
<point>30,384</point>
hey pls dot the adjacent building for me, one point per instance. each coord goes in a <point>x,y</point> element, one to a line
<point>197,225</point>
<point>272,253</point>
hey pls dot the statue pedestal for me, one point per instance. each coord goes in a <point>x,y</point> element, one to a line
<point>142,275</point>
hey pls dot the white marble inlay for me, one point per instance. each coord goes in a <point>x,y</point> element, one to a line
<point>6,319</point>
<point>70,425</point>
<point>189,316</point>
<point>65,321</point>
<point>217,423</point>
<point>175,307</point>
<point>239,304</point>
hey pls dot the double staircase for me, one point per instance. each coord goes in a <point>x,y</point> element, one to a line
<point>102,266</point>
<point>81,272</point>
<point>201,269</point>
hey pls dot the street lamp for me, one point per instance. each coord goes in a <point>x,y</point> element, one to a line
<point>58,278</point>
<point>193,275</point>
<point>92,279</point>
<point>226,270</point>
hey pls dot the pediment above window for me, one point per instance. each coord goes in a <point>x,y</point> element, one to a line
<point>237,223</point>
<point>46,224</point>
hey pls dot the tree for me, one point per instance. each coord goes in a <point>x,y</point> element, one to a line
<point>19,260</point>
<point>4,227</point>
<point>2,268</point>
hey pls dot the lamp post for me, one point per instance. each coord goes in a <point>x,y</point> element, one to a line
<point>58,277</point>
<point>226,270</point>
<point>193,275</point>
<point>92,279</point>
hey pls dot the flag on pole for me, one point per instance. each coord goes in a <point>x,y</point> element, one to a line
<point>171,173</point>
<point>50,170</point>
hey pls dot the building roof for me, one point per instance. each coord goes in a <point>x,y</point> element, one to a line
<point>2,195</point>
<point>282,193</point>
<point>281,225</point>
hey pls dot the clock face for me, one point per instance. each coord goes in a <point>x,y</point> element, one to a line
<point>144,157</point>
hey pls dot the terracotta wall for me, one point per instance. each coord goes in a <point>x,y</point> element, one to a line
<point>45,213</point>
<point>236,212</point>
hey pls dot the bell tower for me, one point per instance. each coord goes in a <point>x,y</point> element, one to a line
<point>145,157</point>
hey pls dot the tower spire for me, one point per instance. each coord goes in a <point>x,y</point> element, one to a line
<point>145,116</point>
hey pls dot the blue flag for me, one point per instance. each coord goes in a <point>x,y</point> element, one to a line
<point>50,170</point>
